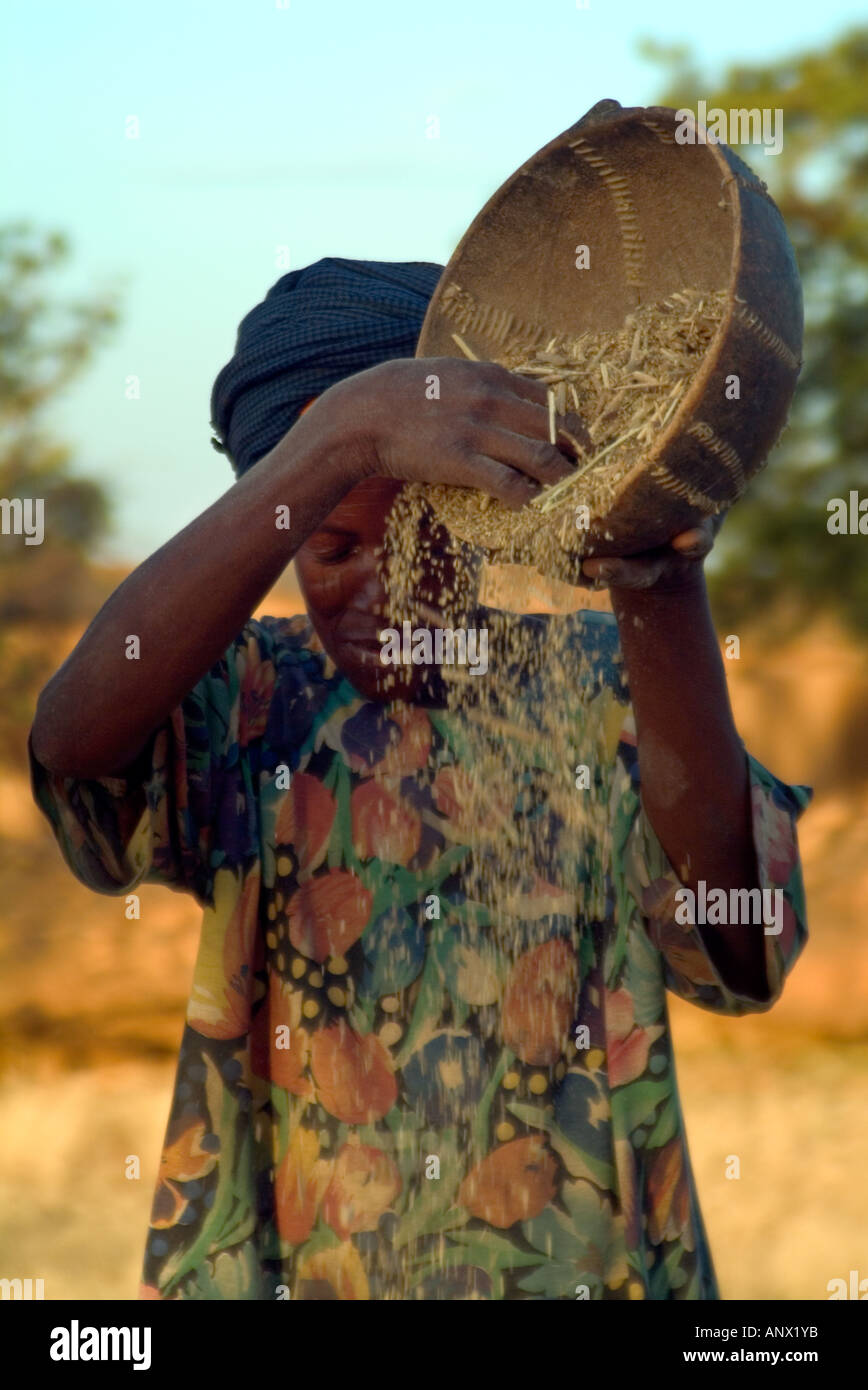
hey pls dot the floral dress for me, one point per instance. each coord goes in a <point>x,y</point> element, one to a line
<point>387,1088</point>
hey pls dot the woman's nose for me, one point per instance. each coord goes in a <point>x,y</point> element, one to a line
<point>370,594</point>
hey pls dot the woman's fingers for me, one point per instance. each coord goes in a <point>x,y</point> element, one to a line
<point>629,572</point>
<point>509,485</point>
<point>696,542</point>
<point>536,457</point>
<point>536,421</point>
<point>664,565</point>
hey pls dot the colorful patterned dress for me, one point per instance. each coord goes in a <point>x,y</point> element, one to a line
<point>388,1089</point>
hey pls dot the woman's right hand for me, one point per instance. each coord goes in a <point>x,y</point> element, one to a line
<point>485,427</point>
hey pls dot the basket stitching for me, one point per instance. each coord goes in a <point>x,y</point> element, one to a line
<point>728,456</point>
<point>472,316</point>
<point>767,336</point>
<point>681,488</point>
<point>625,209</point>
<point>666,136</point>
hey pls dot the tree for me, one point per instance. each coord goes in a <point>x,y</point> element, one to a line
<point>44,344</point>
<point>775,551</point>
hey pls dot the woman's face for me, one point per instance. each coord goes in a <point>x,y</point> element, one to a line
<point>341,572</point>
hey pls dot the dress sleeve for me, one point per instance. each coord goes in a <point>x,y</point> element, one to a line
<point>649,882</point>
<point>187,802</point>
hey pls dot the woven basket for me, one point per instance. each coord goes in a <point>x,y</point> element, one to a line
<point>657,216</point>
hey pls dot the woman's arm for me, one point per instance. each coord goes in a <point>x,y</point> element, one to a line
<point>695,785</point>
<point>489,430</point>
<point>693,767</point>
<point>96,713</point>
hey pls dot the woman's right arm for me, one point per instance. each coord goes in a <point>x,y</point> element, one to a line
<point>99,708</point>
<point>488,429</point>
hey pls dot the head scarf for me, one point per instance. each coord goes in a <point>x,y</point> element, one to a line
<point>314,327</point>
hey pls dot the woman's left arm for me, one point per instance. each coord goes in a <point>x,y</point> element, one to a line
<point>695,784</point>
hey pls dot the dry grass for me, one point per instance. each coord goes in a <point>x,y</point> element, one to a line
<point>626,386</point>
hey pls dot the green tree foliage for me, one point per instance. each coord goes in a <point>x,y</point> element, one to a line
<point>44,344</point>
<point>775,550</point>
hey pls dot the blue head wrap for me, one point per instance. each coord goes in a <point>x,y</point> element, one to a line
<point>314,327</point>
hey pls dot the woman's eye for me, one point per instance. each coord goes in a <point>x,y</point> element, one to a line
<point>336,553</point>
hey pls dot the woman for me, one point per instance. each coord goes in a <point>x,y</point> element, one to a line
<point>391,1086</point>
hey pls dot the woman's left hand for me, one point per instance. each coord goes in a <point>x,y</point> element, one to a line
<point>671,566</point>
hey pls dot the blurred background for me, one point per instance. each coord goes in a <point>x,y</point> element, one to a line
<point>162,168</point>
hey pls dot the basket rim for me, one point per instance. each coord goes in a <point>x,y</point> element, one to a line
<point>735,175</point>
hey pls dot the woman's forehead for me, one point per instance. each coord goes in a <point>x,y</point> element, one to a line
<point>365,506</point>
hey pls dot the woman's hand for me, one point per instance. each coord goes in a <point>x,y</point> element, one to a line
<point>447,420</point>
<point>669,568</point>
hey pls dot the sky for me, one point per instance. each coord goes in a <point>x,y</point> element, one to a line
<point>270,134</point>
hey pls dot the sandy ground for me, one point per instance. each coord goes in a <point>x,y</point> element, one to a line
<point>794,1114</point>
<point>796,1218</point>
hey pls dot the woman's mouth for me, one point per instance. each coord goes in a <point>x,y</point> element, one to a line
<point>368,643</point>
<point>365,651</point>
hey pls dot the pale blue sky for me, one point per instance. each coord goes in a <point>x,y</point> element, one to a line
<point>305,127</point>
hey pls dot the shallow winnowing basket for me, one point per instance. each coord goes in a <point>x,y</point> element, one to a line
<point>666,225</point>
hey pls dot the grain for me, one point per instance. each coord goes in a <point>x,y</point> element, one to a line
<point>528,845</point>
<point>627,386</point>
